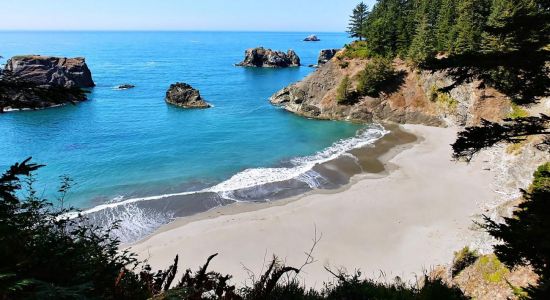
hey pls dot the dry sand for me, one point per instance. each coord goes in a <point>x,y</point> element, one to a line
<point>400,224</point>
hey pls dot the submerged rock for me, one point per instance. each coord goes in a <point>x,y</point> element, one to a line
<point>183,95</point>
<point>267,58</point>
<point>51,71</point>
<point>125,86</point>
<point>312,38</point>
<point>326,55</point>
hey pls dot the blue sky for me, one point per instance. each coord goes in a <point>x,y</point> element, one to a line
<point>250,15</point>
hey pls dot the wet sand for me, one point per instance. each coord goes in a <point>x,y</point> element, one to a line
<point>408,212</point>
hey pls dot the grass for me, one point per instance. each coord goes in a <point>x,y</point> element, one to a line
<point>517,112</point>
<point>492,269</point>
<point>463,259</point>
<point>357,49</point>
<point>444,100</point>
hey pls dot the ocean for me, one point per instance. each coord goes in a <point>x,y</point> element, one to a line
<point>134,158</point>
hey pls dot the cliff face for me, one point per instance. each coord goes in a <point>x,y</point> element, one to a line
<point>52,71</point>
<point>413,98</point>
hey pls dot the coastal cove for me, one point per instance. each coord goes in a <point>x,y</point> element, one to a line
<point>128,144</point>
<point>410,219</point>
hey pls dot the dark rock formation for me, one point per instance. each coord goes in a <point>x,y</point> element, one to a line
<point>183,95</point>
<point>312,38</point>
<point>51,71</point>
<point>125,86</point>
<point>35,82</point>
<point>267,58</point>
<point>326,55</point>
<point>21,95</point>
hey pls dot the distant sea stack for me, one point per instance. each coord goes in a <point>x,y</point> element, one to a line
<point>267,58</point>
<point>326,55</point>
<point>185,96</point>
<point>312,38</point>
<point>51,71</point>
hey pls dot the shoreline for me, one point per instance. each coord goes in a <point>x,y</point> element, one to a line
<point>425,216</point>
<point>374,161</point>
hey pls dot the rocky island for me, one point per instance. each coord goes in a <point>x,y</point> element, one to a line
<point>35,82</point>
<point>312,38</point>
<point>185,96</point>
<point>267,58</point>
<point>52,71</point>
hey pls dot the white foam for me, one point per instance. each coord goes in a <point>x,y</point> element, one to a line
<point>301,170</point>
<point>258,176</point>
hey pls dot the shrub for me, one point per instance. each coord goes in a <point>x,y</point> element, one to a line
<point>463,259</point>
<point>343,90</point>
<point>357,49</point>
<point>377,73</point>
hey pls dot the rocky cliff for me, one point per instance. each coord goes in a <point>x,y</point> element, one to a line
<point>267,58</point>
<point>52,71</point>
<point>413,98</point>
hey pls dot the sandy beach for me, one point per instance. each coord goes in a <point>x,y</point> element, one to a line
<point>409,218</point>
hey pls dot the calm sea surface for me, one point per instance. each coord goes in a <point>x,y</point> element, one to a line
<point>126,144</point>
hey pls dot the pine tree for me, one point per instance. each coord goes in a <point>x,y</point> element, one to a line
<point>444,25</point>
<point>422,47</point>
<point>472,16</point>
<point>358,20</point>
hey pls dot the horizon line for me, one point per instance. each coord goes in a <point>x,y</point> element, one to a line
<point>164,30</point>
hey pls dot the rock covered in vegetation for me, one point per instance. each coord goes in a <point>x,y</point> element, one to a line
<point>312,38</point>
<point>326,55</point>
<point>267,58</point>
<point>412,97</point>
<point>51,71</point>
<point>183,95</point>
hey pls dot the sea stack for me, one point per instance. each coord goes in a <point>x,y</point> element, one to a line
<point>185,96</point>
<point>51,71</point>
<point>312,38</point>
<point>267,58</point>
<point>326,55</point>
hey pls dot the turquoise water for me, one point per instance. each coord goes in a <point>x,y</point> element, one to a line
<point>125,144</point>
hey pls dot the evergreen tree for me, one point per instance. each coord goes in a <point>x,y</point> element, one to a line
<point>422,48</point>
<point>472,16</point>
<point>444,25</point>
<point>358,20</point>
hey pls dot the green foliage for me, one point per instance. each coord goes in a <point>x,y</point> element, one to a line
<point>472,16</point>
<point>524,237</point>
<point>357,49</point>
<point>517,112</point>
<point>463,259</point>
<point>357,21</point>
<point>422,48</point>
<point>343,90</point>
<point>377,74</point>
<point>492,270</point>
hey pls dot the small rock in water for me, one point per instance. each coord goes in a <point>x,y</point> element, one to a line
<point>312,38</point>
<point>185,96</point>
<point>125,86</point>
